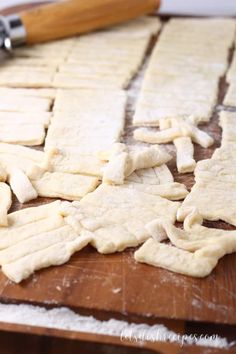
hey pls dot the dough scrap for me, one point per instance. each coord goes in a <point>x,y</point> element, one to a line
<point>24,134</point>
<point>164,136</point>
<point>61,185</point>
<point>124,160</point>
<point>21,185</point>
<point>212,176</point>
<point>5,197</point>
<point>56,254</point>
<point>155,175</point>
<point>17,233</point>
<point>198,248</point>
<point>24,118</point>
<point>184,155</point>
<point>115,216</point>
<point>197,264</point>
<point>22,103</point>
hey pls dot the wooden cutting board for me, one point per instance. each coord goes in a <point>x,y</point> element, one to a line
<point>115,285</point>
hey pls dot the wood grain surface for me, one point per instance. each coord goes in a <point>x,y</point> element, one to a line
<point>115,285</point>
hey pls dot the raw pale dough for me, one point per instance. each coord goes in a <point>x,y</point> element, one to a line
<point>182,129</point>
<point>61,185</point>
<point>230,97</point>
<point>184,155</point>
<point>124,160</point>
<point>155,175</point>
<point>56,254</point>
<point>23,134</point>
<point>172,191</point>
<point>22,92</point>
<point>84,122</point>
<point>120,47</point>
<point>183,73</point>
<point>17,233</point>
<point>207,244</point>
<point>24,118</point>
<point>23,103</point>
<point>5,204</point>
<point>115,216</point>
<point>214,192</point>
<point>21,185</point>
<point>197,264</point>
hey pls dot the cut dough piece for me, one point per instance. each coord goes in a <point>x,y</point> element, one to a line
<point>22,103</point>
<point>25,79</point>
<point>215,196</point>
<point>213,176</point>
<point>27,134</point>
<point>21,185</point>
<point>17,233</point>
<point>116,216</point>
<point>152,176</point>
<point>194,236</point>
<point>19,92</point>
<point>182,129</point>
<point>172,191</point>
<point>124,160</point>
<point>61,185</point>
<point>57,254</point>
<point>31,215</point>
<point>21,152</point>
<point>184,155</point>
<point>5,204</point>
<point>24,118</point>
<point>36,243</point>
<point>197,264</point>
<point>71,160</point>
<point>68,82</point>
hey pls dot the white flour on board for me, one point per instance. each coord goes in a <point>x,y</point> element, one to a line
<point>65,319</point>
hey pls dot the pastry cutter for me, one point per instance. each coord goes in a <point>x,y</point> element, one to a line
<point>68,18</point>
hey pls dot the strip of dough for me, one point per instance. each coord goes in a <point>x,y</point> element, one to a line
<point>195,264</point>
<point>19,92</point>
<point>194,236</point>
<point>5,204</point>
<point>184,155</point>
<point>25,134</point>
<point>57,254</point>
<point>61,185</point>
<point>22,151</point>
<point>16,233</point>
<point>23,118</point>
<point>30,215</point>
<point>168,135</point>
<point>21,185</point>
<point>22,103</point>
<point>36,243</point>
<point>30,80</point>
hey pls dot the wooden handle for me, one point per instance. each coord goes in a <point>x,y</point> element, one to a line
<point>72,17</point>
